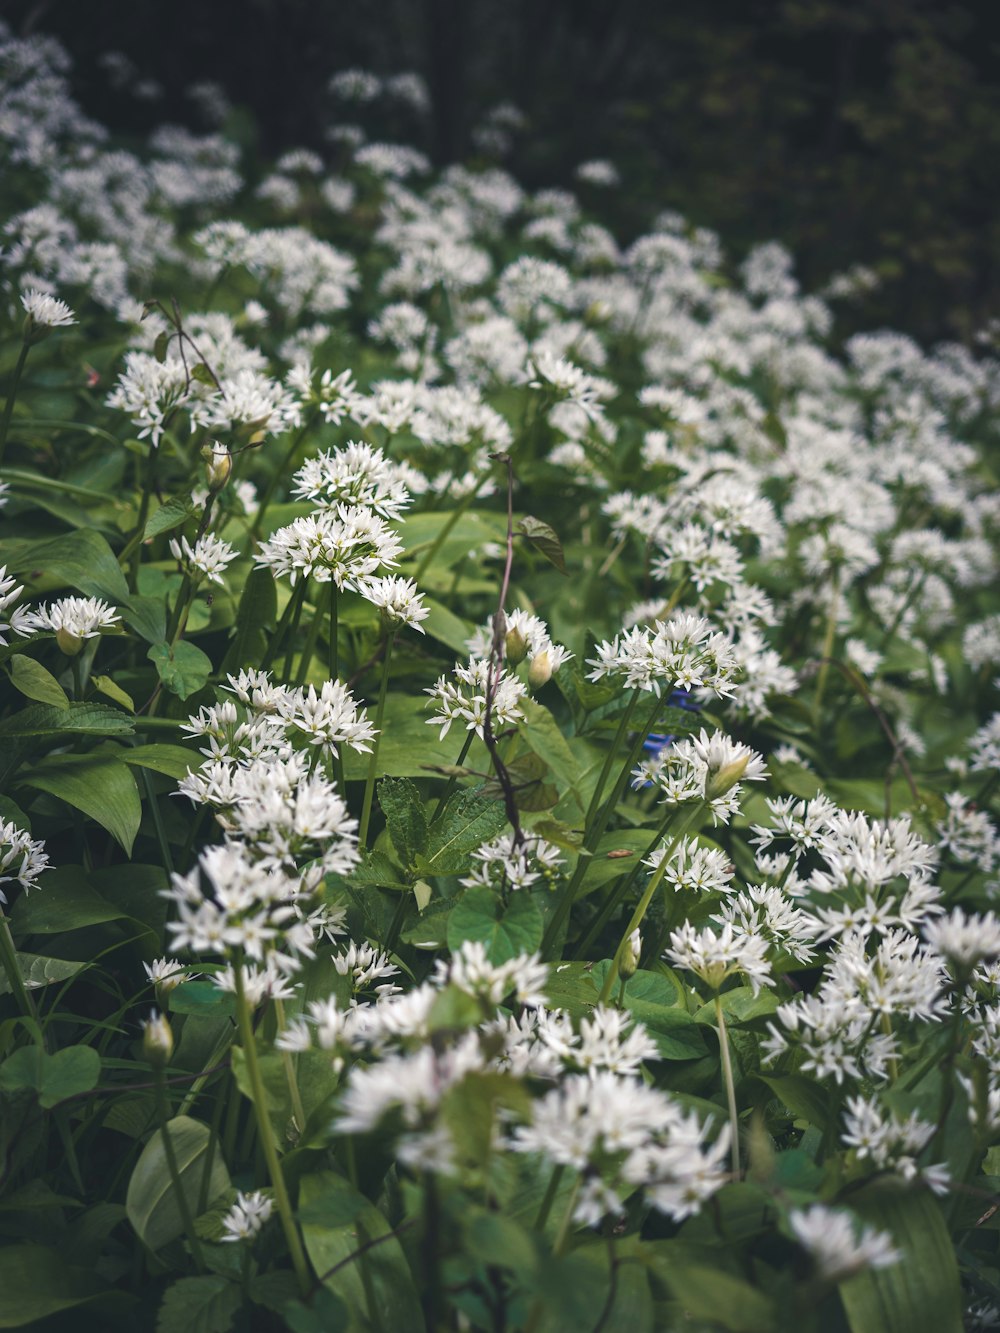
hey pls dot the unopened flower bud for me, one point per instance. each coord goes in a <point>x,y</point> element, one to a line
<point>157,1040</point>
<point>540,670</point>
<point>218,466</point>
<point>515,647</point>
<point>69,643</point>
<point>629,964</point>
<point>722,779</point>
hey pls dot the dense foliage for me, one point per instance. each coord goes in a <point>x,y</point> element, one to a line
<point>500,753</point>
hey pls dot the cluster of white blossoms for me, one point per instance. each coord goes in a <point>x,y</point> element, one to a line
<point>683,652</point>
<point>707,767</point>
<point>477,691</point>
<point>512,862</point>
<point>22,858</point>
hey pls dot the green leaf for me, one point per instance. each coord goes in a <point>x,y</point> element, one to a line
<point>151,1204</point>
<point>656,1000</point>
<point>506,932</point>
<point>53,1077</point>
<point>920,1294</point>
<point>183,669</point>
<point>257,613</point>
<point>376,868</point>
<point>174,761</point>
<point>148,617</point>
<point>82,559</point>
<point>804,1097</point>
<point>34,682</point>
<point>36,1282</point>
<point>38,970</point>
<point>199,1305</point>
<point>541,733</point>
<point>203,998</point>
<point>106,686</point>
<point>102,788</point>
<point>176,511</point>
<point>386,1281</point>
<point>325,1313</point>
<point>405,818</point>
<point>77,718</point>
<point>203,375</point>
<point>723,1300</point>
<point>544,540</point>
<point>67,902</point>
<point>466,822</point>
<point>445,626</point>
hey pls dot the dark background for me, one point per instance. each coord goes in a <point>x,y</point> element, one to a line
<point>857,131</point>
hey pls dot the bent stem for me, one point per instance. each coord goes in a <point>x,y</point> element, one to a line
<point>727,1074</point>
<point>656,879</point>
<point>366,809</point>
<point>266,1134</point>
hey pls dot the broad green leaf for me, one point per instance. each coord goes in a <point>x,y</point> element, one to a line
<point>256,615</point>
<point>805,1097</point>
<point>920,1294</point>
<point>53,1077</point>
<point>76,718</point>
<point>67,902</point>
<point>656,1001</point>
<point>467,821</point>
<point>176,511</point>
<point>202,998</point>
<point>151,1203</point>
<point>83,559</point>
<point>386,1281</point>
<point>183,668</point>
<point>38,970</point>
<point>106,686</point>
<point>405,818</point>
<point>527,773</point>
<point>102,788</point>
<point>174,761</point>
<point>34,682</point>
<point>36,1282</point>
<point>724,1301</point>
<point>199,1305</point>
<point>505,931</point>
<point>541,733</point>
<point>446,627</point>
<point>148,617</point>
<point>544,539</point>
<point>325,1313</point>
<point>376,868</point>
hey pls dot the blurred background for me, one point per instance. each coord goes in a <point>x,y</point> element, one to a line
<point>855,131</point>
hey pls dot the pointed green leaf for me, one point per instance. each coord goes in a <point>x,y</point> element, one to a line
<point>102,788</point>
<point>106,686</point>
<point>177,510</point>
<point>505,931</point>
<point>151,1204</point>
<point>34,682</point>
<point>79,718</point>
<point>543,538</point>
<point>199,1305</point>
<point>467,821</point>
<point>183,668</point>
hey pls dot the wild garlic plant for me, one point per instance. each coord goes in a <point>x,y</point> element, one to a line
<point>499,825</point>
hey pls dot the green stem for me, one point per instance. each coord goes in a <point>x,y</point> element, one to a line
<point>622,889</point>
<point>266,1135</point>
<point>272,485</point>
<point>366,808</point>
<point>293,608</point>
<point>558,1171</point>
<point>288,1063</point>
<point>8,955</point>
<point>442,536</point>
<point>8,410</point>
<point>827,650</point>
<point>163,1110</point>
<point>727,1075</point>
<point>334,649</point>
<point>450,785</point>
<point>309,647</point>
<point>655,881</point>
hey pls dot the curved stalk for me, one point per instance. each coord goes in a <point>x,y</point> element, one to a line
<point>366,809</point>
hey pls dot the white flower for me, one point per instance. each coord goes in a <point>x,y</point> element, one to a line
<point>716,956</point>
<point>247,1216</point>
<point>21,857</point>
<point>20,621</point>
<point>397,599</point>
<point>343,545</point>
<point>208,557</point>
<point>73,619</point>
<point>838,1244</point>
<point>964,940</point>
<point>47,311</point>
